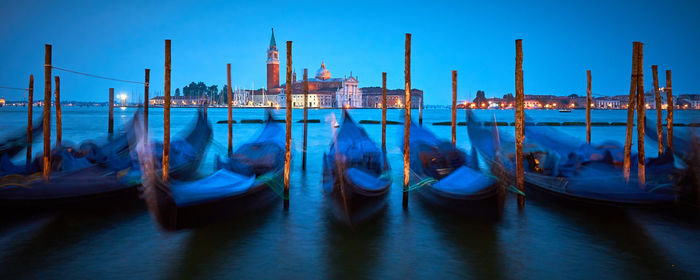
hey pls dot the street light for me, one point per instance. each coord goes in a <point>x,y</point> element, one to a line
<point>123,98</point>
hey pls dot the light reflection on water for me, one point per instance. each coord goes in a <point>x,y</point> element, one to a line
<point>545,240</point>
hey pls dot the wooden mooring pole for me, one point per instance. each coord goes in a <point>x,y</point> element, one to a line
<point>166,114</point>
<point>407,120</point>
<point>383,111</point>
<point>58,110</point>
<point>630,114</point>
<point>588,107</point>
<point>306,115</point>
<point>110,122</point>
<point>30,108</point>
<point>229,105</point>
<point>641,116</point>
<point>288,136</point>
<point>146,84</point>
<point>454,107</point>
<point>420,111</point>
<point>47,111</point>
<point>519,121</point>
<point>669,111</point>
<point>657,98</point>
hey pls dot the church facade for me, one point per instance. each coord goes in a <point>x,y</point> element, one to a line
<point>324,90</point>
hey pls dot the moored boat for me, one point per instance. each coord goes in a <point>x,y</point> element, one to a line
<point>444,177</point>
<point>355,174</point>
<point>246,181</point>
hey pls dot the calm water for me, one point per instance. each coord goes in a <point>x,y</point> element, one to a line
<point>545,240</point>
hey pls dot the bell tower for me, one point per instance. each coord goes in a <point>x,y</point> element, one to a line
<point>273,64</point>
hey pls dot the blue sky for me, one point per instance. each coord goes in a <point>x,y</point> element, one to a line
<point>561,40</point>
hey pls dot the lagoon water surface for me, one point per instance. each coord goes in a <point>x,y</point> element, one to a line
<point>543,241</point>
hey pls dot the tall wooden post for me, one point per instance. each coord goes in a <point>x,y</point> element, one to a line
<point>47,111</point>
<point>110,124</point>
<point>630,114</point>
<point>657,98</point>
<point>306,115</point>
<point>641,116</point>
<point>420,111</point>
<point>229,105</point>
<point>454,107</point>
<point>146,85</point>
<point>288,136</point>
<point>407,120</point>
<point>58,110</point>
<point>166,114</point>
<point>588,107</point>
<point>519,120</point>
<point>383,111</point>
<point>30,108</point>
<point>669,111</point>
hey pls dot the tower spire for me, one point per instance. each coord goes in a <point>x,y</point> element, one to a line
<point>273,43</point>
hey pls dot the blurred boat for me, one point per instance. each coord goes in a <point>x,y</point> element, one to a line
<point>248,180</point>
<point>445,176</point>
<point>87,174</point>
<point>12,145</point>
<point>590,173</point>
<point>355,174</point>
<point>564,110</point>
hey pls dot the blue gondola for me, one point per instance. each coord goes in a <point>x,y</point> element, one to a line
<point>247,180</point>
<point>590,174</point>
<point>447,177</point>
<point>355,174</point>
<point>90,173</point>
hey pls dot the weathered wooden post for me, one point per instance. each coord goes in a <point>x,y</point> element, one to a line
<point>229,105</point>
<point>383,111</point>
<point>407,120</point>
<point>146,84</point>
<point>669,111</point>
<point>519,121</point>
<point>110,124</point>
<point>47,111</point>
<point>630,114</point>
<point>306,115</point>
<point>58,110</point>
<point>454,107</point>
<point>657,98</point>
<point>420,111</point>
<point>288,136</point>
<point>166,114</point>
<point>588,108</point>
<point>30,108</point>
<point>641,116</point>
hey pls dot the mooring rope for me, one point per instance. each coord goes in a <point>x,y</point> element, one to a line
<point>12,88</point>
<point>96,76</point>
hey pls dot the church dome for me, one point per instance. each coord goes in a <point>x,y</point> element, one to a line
<point>323,73</point>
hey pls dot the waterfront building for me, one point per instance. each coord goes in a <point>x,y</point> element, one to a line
<point>372,97</point>
<point>180,100</point>
<point>605,103</point>
<point>325,91</point>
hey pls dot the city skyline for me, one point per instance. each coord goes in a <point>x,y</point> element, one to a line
<point>118,43</point>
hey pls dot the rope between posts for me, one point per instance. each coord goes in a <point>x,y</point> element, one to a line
<point>22,89</point>
<point>95,76</point>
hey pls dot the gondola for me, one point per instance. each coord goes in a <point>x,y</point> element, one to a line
<point>588,174</point>
<point>83,177</point>
<point>246,181</point>
<point>445,176</point>
<point>356,174</point>
<point>12,145</point>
